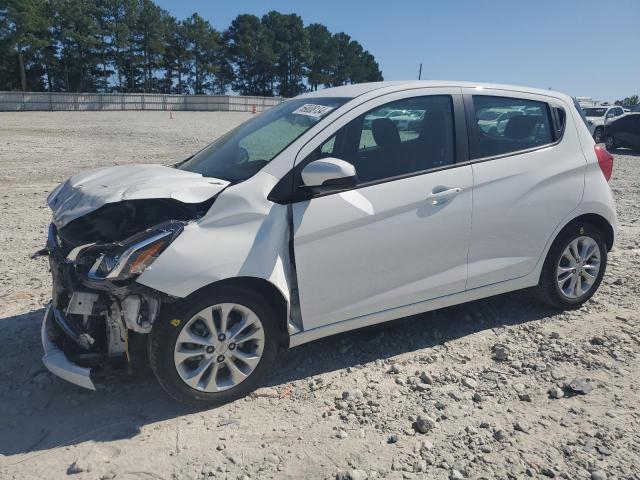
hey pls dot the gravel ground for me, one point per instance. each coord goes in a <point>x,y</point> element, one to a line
<point>465,392</point>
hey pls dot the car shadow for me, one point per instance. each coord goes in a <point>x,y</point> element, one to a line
<point>406,335</point>
<point>40,412</point>
<point>626,152</point>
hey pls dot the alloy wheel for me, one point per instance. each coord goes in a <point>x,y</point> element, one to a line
<point>578,267</point>
<point>609,143</point>
<point>597,135</point>
<point>219,347</point>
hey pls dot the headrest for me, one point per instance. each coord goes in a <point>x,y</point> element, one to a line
<point>521,126</point>
<point>385,132</point>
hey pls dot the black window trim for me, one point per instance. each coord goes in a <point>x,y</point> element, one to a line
<point>472,126</point>
<point>558,129</point>
<point>461,142</point>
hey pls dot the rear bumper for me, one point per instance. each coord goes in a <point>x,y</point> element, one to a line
<point>57,362</point>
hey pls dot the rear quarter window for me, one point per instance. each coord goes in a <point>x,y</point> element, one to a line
<point>521,125</point>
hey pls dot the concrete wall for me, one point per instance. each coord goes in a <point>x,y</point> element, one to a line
<point>43,101</point>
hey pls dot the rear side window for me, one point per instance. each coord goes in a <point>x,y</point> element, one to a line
<point>505,125</point>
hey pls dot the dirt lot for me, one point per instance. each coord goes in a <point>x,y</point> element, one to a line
<point>344,407</point>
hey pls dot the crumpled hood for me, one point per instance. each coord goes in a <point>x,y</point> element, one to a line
<point>88,191</point>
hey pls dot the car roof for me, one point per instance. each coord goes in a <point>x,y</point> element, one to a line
<point>358,89</point>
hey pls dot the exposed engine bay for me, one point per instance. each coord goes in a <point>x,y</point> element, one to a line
<point>99,315</point>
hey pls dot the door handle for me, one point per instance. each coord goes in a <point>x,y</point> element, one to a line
<point>440,196</point>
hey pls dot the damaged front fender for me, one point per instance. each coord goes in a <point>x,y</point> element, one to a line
<point>242,235</point>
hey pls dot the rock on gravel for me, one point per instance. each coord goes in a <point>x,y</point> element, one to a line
<point>354,474</point>
<point>424,424</point>
<point>500,352</point>
<point>79,466</point>
<point>266,392</point>
<point>579,386</point>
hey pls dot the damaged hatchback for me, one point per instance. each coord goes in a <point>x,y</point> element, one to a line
<point>322,215</point>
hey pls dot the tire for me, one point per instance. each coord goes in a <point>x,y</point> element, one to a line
<point>610,143</point>
<point>598,135</point>
<point>549,288</point>
<point>169,331</point>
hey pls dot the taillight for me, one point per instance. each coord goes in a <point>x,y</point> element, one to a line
<point>605,160</point>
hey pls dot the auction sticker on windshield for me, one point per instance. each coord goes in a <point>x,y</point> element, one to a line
<point>312,110</point>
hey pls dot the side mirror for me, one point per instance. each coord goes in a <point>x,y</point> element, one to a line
<point>328,173</point>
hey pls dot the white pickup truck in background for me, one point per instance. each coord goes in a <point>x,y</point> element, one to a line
<point>598,117</point>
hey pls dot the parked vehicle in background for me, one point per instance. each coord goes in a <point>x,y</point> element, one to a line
<point>623,132</point>
<point>600,117</point>
<point>284,231</point>
<point>635,108</point>
<point>408,120</point>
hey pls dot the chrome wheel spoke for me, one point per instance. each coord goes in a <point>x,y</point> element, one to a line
<point>236,374</point>
<point>182,354</point>
<point>212,381</point>
<point>573,250</point>
<point>251,335</point>
<point>225,310</point>
<point>194,376</point>
<point>251,360</point>
<point>206,316</point>
<point>187,336</point>
<point>247,320</point>
<point>587,276</point>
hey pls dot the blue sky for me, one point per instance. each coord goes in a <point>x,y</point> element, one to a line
<point>580,47</point>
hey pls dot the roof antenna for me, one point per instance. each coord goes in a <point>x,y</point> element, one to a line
<point>420,72</point>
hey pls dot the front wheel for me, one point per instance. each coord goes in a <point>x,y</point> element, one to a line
<point>574,267</point>
<point>215,348</point>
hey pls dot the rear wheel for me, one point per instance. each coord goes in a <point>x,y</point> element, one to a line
<point>610,143</point>
<point>574,267</point>
<point>216,348</point>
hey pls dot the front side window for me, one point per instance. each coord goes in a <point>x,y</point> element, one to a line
<point>398,138</point>
<point>246,149</point>
<point>521,125</point>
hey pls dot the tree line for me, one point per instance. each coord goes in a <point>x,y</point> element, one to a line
<point>136,46</point>
<point>628,101</point>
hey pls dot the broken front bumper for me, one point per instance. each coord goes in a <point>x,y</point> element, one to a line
<point>56,361</point>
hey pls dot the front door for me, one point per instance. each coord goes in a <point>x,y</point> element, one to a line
<point>402,235</point>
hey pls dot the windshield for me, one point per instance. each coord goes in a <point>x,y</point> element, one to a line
<point>242,152</point>
<point>594,112</point>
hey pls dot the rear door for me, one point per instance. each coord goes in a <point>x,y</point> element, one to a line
<point>527,177</point>
<point>400,236</point>
<point>627,131</point>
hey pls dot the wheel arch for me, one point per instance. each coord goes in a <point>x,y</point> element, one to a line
<point>267,290</point>
<point>598,221</point>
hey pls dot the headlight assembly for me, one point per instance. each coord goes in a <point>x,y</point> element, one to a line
<point>135,254</point>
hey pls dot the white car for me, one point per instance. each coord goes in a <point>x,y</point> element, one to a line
<point>282,232</point>
<point>598,117</point>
